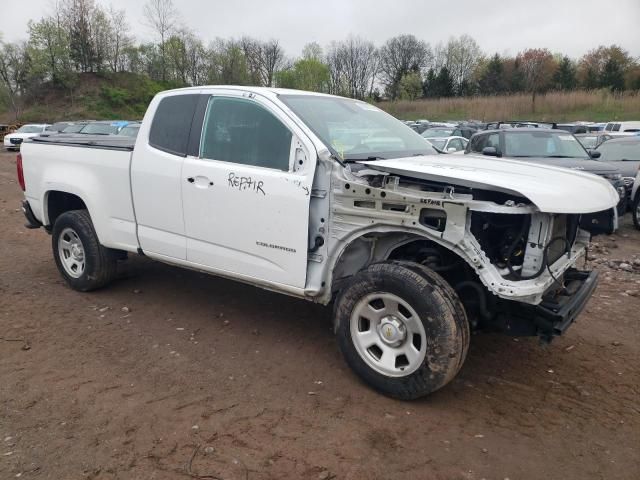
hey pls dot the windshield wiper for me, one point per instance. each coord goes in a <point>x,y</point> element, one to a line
<point>372,157</point>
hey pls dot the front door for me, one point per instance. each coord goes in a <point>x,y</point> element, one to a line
<point>246,196</point>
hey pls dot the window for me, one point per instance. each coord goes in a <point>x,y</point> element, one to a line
<point>241,131</point>
<point>478,143</point>
<point>616,127</point>
<point>172,123</point>
<point>456,143</point>
<point>615,151</point>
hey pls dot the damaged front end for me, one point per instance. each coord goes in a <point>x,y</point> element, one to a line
<point>512,265</point>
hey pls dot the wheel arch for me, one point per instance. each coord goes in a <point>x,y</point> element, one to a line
<point>57,202</point>
<point>373,246</point>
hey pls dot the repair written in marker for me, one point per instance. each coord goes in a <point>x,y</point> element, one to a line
<point>246,183</point>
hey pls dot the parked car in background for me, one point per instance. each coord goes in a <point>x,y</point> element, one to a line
<point>517,124</point>
<point>592,140</point>
<point>464,131</point>
<point>130,130</point>
<point>624,154</point>
<point>449,144</point>
<point>75,127</point>
<point>103,127</point>
<point>438,132</point>
<point>575,128</point>
<point>12,141</point>
<point>551,147</point>
<point>57,127</point>
<point>621,129</point>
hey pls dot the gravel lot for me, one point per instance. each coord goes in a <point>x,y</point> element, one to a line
<point>172,374</point>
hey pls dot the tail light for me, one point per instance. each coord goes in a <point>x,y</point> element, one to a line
<point>20,172</point>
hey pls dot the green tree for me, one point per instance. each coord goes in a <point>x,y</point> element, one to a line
<point>306,74</point>
<point>612,76</point>
<point>410,86</point>
<point>564,77</point>
<point>49,47</point>
<point>492,78</point>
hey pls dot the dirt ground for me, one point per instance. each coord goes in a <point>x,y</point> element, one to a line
<point>171,374</point>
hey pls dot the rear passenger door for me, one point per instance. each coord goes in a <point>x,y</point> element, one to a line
<point>246,193</point>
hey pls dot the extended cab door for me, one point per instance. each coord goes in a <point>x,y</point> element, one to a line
<point>246,194</point>
<point>156,175</point>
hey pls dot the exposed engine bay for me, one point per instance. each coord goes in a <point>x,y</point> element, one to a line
<point>496,249</point>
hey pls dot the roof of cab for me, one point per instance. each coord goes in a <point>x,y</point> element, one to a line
<point>266,91</point>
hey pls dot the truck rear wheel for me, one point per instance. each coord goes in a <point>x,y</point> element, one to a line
<point>83,262</point>
<point>402,329</point>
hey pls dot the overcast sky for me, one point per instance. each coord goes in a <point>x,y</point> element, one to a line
<point>505,26</point>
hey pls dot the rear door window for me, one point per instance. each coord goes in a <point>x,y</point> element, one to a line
<point>172,123</point>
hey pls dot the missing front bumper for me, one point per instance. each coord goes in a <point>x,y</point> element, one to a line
<point>558,310</point>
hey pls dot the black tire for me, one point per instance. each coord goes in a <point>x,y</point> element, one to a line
<point>100,263</point>
<point>439,310</point>
<point>635,210</point>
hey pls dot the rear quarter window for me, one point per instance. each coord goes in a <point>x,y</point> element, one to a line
<point>172,123</point>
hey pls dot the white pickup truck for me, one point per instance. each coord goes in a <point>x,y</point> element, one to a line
<point>331,200</point>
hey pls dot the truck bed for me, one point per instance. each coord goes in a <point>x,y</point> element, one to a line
<point>109,142</point>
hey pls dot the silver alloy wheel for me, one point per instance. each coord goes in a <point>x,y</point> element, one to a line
<point>638,210</point>
<point>71,252</point>
<point>388,334</point>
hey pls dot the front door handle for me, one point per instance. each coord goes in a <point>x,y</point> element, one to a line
<point>200,181</point>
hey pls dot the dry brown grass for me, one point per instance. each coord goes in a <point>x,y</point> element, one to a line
<point>597,105</point>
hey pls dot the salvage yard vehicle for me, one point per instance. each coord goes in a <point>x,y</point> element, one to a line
<point>12,141</point>
<point>552,147</point>
<point>449,144</point>
<point>623,154</point>
<point>331,200</point>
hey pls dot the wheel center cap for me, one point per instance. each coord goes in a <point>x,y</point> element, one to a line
<point>76,251</point>
<point>392,331</point>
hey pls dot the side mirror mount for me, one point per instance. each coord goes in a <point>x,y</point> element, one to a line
<point>490,151</point>
<point>451,149</point>
<point>594,154</point>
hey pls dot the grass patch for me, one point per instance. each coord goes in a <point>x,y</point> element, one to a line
<point>598,106</point>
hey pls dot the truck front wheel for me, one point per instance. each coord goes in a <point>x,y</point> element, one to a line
<point>83,262</point>
<point>402,329</point>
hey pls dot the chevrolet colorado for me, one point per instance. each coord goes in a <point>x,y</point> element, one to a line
<point>331,200</point>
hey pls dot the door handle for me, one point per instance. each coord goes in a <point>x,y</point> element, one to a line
<point>200,181</point>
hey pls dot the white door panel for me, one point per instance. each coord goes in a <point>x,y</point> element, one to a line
<point>247,220</point>
<point>156,183</point>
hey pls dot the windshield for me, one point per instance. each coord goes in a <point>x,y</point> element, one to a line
<point>355,130</point>
<point>543,144</point>
<point>437,132</point>
<point>439,144</point>
<point>611,151</point>
<point>588,142</point>
<point>30,129</point>
<point>74,128</point>
<point>100,128</point>
<point>130,131</point>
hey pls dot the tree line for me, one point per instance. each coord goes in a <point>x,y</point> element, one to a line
<point>84,36</point>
